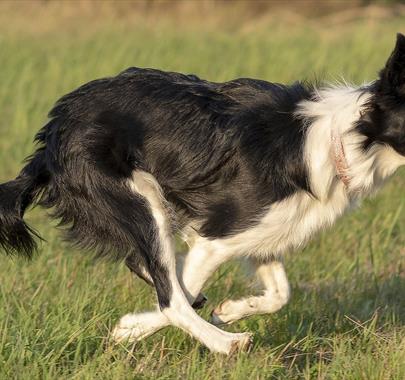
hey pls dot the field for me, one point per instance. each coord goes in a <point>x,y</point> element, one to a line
<point>347,313</point>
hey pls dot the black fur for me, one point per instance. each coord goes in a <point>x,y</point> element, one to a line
<point>384,123</point>
<point>136,264</point>
<point>15,196</point>
<point>222,153</point>
<point>88,192</point>
<point>167,124</point>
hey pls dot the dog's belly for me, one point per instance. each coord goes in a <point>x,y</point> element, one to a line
<point>287,225</point>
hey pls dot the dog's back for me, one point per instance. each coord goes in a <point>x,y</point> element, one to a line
<point>222,152</point>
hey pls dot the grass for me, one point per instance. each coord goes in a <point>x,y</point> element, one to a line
<point>347,314</point>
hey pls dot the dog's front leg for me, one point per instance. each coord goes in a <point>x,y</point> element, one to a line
<point>276,294</point>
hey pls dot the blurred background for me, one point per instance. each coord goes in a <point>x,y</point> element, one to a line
<point>346,318</point>
<point>62,44</point>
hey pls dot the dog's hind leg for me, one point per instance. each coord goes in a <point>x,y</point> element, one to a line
<point>192,271</point>
<point>276,294</point>
<point>138,267</point>
<point>173,303</point>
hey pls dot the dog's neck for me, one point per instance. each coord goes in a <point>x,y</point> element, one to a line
<point>333,147</point>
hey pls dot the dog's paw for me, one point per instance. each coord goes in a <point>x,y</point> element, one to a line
<point>232,343</point>
<point>225,314</point>
<point>128,329</point>
<point>244,344</point>
<point>134,327</point>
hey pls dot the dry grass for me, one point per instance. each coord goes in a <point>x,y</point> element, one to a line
<point>39,17</point>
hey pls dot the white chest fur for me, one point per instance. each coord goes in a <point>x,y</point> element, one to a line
<point>287,224</point>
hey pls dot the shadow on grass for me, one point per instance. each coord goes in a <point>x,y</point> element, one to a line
<point>320,315</point>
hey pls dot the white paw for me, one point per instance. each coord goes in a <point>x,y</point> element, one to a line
<point>231,343</point>
<point>226,313</point>
<point>134,327</point>
<point>243,344</point>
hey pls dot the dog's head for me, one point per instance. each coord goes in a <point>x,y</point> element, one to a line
<point>385,123</point>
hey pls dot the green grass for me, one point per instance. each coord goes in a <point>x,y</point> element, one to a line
<point>347,313</point>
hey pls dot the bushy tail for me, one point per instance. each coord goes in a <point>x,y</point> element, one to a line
<point>16,237</point>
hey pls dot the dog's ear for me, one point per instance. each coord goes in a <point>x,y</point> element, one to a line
<point>392,77</point>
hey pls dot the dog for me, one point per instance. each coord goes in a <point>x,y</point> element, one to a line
<point>244,168</point>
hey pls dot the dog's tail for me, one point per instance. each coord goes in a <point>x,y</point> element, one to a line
<point>16,237</point>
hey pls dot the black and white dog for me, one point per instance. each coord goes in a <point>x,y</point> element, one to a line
<point>242,168</point>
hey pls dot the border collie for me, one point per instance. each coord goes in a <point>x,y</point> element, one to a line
<point>243,168</point>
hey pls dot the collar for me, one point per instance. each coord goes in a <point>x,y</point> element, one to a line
<point>342,167</point>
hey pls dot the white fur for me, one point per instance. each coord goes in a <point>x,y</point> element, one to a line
<point>338,108</point>
<point>199,264</point>
<point>334,110</point>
